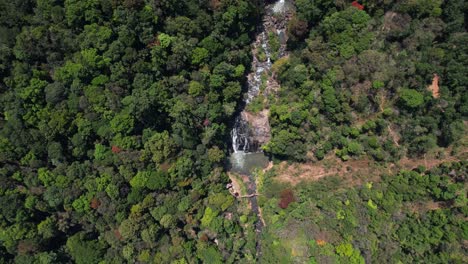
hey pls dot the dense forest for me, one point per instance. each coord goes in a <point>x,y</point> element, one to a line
<point>356,80</point>
<point>115,119</point>
<point>113,123</point>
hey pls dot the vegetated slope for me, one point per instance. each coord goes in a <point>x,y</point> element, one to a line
<point>409,217</point>
<point>355,86</point>
<point>356,80</point>
<point>113,125</point>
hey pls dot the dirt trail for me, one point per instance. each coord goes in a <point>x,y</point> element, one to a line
<point>296,173</point>
<point>424,206</point>
<point>394,136</point>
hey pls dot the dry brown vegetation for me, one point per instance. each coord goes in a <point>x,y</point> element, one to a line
<point>296,172</point>
<point>420,207</point>
<point>354,171</point>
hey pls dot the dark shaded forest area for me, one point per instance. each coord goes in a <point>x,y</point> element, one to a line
<point>113,117</point>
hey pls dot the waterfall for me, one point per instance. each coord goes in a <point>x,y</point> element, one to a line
<point>252,129</point>
<point>280,6</point>
<point>235,145</point>
<point>244,135</point>
<point>241,135</point>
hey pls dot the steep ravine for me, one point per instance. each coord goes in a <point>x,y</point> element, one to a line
<point>252,129</point>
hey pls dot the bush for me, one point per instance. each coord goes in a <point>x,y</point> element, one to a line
<point>287,197</point>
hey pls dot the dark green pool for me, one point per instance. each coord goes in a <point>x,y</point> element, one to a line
<point>246,163</point>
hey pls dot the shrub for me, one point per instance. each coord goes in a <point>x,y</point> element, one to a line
<point>287,197</point>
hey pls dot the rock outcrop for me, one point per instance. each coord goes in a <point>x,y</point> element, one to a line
<point>260,132</point>
<point>252,130</point>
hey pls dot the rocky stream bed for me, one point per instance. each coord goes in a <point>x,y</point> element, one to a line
<point>252,128</point>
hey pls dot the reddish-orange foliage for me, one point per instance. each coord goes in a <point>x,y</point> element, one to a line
<point>321,242</point>
<point>117,234</point>
<point>95,203</point>
<point>357,5</point>
<point>116,149</point>
<point>287,197</point>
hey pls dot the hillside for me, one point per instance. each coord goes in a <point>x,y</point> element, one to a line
<point>222,131</point>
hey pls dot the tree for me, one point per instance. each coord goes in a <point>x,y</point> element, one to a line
<point>54,93</point>
<point>122,123</point>
<point>149,179</point>
<point>84,251</point>
<point>215,154</point>
<point>208,216</point>
<point>199,56</point>
<point>411,98</point>
<point>160,147</point>
<point>100,152</point>
<point>47,228</point>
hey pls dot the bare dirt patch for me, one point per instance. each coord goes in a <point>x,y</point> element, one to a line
<point>434,87</point>
<point>296,173</point>
<point>420,207</point>
<point>428,163</point>
<point>354,171</point>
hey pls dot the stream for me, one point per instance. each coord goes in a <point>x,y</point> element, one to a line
<point>252,130</point>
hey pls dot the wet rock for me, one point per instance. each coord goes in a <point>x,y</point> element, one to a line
<point>260,131</point>
<point>252,131</point>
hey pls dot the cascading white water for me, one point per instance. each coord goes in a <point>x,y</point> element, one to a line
<point>251,130</point>
<point>242,134</point>
<point>279,7</point>
<point>259,68</point>
<point>235,145</point>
